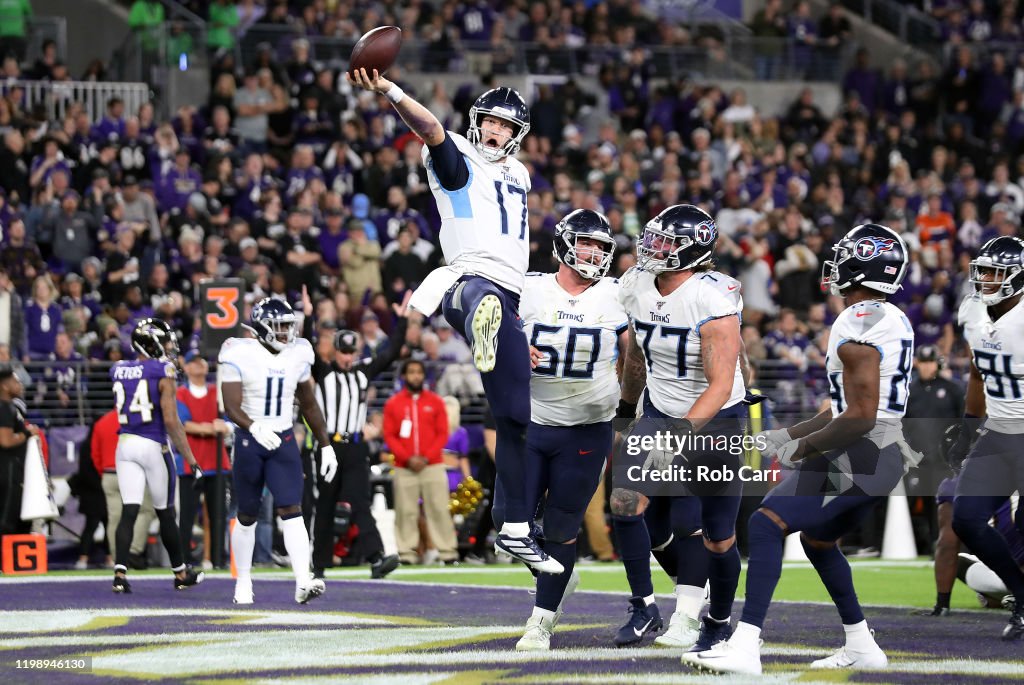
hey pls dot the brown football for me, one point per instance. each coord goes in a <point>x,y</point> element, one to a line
<point>377,49</point>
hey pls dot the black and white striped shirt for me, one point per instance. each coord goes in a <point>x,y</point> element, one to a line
<point>342,398</point>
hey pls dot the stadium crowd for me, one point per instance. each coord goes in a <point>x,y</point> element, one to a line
<point>290,180</point>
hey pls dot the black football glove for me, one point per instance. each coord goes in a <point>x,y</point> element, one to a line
<point>958,440</point>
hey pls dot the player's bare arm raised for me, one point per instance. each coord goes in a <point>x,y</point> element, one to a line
<point>422,122</point>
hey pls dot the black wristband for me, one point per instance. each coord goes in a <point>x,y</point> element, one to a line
<point>626,410</point>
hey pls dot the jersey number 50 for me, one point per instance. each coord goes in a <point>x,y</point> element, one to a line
<point>569,364</point>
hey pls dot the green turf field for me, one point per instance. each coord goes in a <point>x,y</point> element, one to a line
<point>882,583</point>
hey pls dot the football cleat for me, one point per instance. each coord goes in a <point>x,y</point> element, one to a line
<point>312,590</point>
<point>725,657</point>
<point>537,637</point>
<point>682,632</point>
<point>846,658</point>
<point>383,566</point>
<point>485,325</point>
<point>643,619</point>
<point>122,586</point>
<point>527,551</point>
<point>570,588</point>
<point>711,633</point>
<point>243,591</point>
<point>1014,630</point>
<point>191,578</point>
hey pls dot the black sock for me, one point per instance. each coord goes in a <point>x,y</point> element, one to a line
<point>942,599</point>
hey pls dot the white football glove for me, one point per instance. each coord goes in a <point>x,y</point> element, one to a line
<point>265,435</point>
<point>658,460</point>
<point>328,463</point>
<point>785,454</point>
<point>772,441</point>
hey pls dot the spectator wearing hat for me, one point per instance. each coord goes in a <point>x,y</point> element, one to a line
<point>206,432</point>
<point>361,213</point>
<point>301,268</point>
<point>375,340</point>
<point>180,182</point>
<point>252,105</point>
<point>360,261</point>
<point>123,268</point>
<point>332,235</point>
<point>139,207</point>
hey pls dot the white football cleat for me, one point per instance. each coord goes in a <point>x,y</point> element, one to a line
<point>725,657</point>
<point>682,632</point>
<point>529,552</point>
<point>844,657</point>
<point>312,590</point>
<point>485,325</point>
<point>570,588</point>
<point>537,637</point>
<point>243,591</point>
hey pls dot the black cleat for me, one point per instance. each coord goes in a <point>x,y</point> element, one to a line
<point>643,619</point>
<point>383,566</point>
<point>191,578</point>
<point>1014,630</point>
<point>122,586</point>
<point>711,633</point>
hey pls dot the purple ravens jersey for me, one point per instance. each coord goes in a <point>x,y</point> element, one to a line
<point>137,394</point>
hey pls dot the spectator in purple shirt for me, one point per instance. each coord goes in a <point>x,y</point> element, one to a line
<point>179,183</point>
<point>44,165</point>
<point>111,126</point>
<point>42,320</point>
<point>863,79</point>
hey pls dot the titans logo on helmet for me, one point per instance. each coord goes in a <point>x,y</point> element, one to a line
<point>867,248</point>
<point>705,233</point>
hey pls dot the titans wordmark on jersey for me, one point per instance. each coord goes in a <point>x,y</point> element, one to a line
<point>483,225</point>
<point>268,380</point>
<point>998,353</point>
<point>883,326</point>
<point>668,332</point>
<point>575,384</point>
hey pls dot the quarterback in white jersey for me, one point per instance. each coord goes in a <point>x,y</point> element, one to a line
<point>846,458</point>
<point>481,194</point>
<point>483,224</point>
<point>261,378</point>
<point>577,329</point>
<point>993,318</point>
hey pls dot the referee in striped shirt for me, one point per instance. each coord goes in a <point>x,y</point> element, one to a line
<point>341,388</point>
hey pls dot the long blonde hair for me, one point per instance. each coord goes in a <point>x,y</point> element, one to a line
<point>454,409</point>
